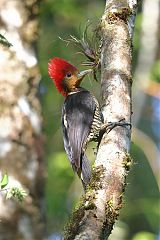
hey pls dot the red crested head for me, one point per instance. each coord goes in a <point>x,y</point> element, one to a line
<point>59,70</point>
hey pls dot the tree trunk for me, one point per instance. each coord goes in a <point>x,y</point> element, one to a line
<point>148,47</point>
<point>20,121</point>
<point>99,208</point>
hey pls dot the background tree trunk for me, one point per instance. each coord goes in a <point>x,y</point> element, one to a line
<point>20,121</point>
<point>148,47</point>
<point>98,210</point>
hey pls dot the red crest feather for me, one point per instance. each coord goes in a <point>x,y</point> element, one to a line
<point>57,69</point>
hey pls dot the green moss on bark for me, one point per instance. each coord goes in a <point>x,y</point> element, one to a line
<point>127,162</point>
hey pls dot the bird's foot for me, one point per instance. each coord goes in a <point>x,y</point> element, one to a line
<point>110,125</point>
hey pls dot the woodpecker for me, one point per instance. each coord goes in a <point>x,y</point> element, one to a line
<point>81,116</point>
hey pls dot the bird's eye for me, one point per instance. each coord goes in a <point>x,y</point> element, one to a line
<point>68,75</point>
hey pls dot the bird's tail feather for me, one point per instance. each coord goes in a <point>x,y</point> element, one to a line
<point>86,171</point>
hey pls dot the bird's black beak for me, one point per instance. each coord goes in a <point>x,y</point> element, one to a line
<point>82,74</point>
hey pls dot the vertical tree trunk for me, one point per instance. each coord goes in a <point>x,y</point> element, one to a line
<point>20,120</point>
<point>148,47</point>
<point>98,210</point>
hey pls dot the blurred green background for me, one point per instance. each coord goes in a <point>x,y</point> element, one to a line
<point>139,219</point>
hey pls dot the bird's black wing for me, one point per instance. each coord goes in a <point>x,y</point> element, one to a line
<point>77,117</point>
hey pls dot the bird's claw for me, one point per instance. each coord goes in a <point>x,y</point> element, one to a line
<point>110,125</point>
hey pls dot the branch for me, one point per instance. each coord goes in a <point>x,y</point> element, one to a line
<point>99,208</point>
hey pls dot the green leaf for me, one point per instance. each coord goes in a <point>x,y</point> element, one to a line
<point>4,181</point>
<point>4,41</point>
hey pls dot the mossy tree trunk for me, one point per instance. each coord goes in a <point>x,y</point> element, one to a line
<point>20,121</point>
<point>99,209</point>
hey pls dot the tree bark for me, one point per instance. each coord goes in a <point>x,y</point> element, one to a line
<point>20,121</point>
<point>148,47</point>
<point>99,208</point>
